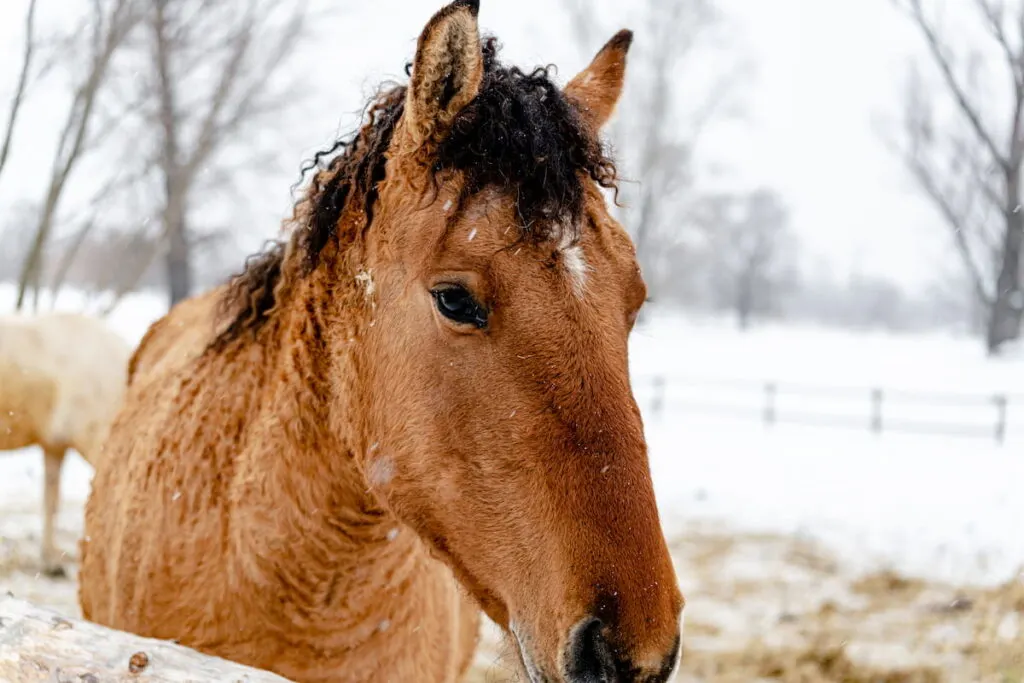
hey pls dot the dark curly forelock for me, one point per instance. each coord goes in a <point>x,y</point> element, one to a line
<point>520,133</point>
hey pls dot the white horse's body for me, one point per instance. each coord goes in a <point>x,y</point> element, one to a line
<point>62,378</point>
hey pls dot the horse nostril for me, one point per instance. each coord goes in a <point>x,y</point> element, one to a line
<point>589,658</point>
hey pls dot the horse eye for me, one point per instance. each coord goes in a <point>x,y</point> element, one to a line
<point>458,305</point>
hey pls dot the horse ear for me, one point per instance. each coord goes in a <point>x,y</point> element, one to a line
<point>597,88</point>
<point>446,73</point>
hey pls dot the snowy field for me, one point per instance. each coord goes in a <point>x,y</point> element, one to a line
<point>744,502</point>
<point>940,507</point>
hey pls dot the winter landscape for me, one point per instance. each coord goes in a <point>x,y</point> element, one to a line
<point>825,199</point>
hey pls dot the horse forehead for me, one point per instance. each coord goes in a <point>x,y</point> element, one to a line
<point>484,226</point>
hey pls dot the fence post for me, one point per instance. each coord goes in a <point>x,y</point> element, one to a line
<point>1001,402</point>
<point>658,399</point>
<point>876,411</point>
<point>769,403</point>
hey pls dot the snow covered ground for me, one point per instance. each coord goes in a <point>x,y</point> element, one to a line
<point>942,507</point>
<point>926,507</point>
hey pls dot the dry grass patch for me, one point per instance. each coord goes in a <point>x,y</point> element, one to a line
<point>820,664</point>
<point>998,644</point>
<point>887,587</point>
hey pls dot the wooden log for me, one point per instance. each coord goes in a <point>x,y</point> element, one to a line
<point>38,644</point>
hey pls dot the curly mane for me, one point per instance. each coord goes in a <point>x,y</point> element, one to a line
<point>520,132</point>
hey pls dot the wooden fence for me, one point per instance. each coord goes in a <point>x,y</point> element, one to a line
<point>875,409</point>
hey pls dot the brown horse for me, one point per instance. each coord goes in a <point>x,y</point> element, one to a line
<point>415,407</point>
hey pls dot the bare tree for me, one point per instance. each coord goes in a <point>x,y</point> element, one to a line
<point>19,91</point>
<point>658,129</point>
<point>969,164</point>
<point>107,26</point>
<point>749,252</point>
<point>213,65</point>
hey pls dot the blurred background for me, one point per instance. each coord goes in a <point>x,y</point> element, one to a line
<point>826,200</point>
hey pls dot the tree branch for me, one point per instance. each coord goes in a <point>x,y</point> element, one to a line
<point>970,112</point>
<point>19,91</point>
<point>239,42</point>
<point>994,20</point>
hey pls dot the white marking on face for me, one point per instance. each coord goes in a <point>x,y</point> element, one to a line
<point>392,534</point>
<point>575,262</point>
<point>472,235</point>
<point>576,267</point>
<point>381,471</point>
<point>384,625</point>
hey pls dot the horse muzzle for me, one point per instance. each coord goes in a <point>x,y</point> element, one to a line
<point>590,657</point>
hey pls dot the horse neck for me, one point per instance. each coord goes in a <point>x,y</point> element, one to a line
<point>306,516</point>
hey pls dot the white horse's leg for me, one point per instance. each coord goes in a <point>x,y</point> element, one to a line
<point>54,461</point>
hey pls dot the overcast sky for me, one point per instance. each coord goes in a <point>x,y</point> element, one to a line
<point>822,70</point>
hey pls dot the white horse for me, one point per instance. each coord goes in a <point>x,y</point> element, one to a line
<point>62,378</point>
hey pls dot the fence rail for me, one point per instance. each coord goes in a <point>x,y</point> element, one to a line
<point>875,409</point>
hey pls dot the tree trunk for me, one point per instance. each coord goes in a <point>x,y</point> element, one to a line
<point>40,646</point>
<point>1005,315</point>
<point>172,165</point>
<point>744,301</point>
<point>743,318</point>
<point>179,257</point>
